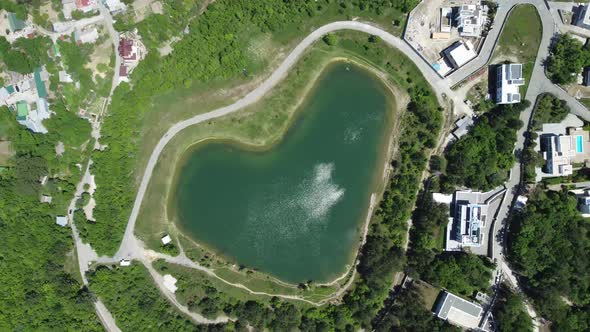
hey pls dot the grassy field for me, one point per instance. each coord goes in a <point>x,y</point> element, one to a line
<point>520,39</point>
<point>192,285</point>
<point>259,125</point>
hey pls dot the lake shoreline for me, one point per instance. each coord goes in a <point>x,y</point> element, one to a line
<point>378,183</point>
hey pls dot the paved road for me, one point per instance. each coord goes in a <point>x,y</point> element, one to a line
<point>439,85</point>
<point>79,24</point>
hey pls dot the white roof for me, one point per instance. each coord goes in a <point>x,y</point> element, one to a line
<point>125,262</point>
<point>442,198</point>
<point>509,80</point>
<point>115,5</point>
<point>87,36</point>
<point>459,311</point>
<point>170,283</point>
<point>462,52</point>
<point>166,239</point>
<point>64,77</point>
<point>61,220</point>
<point>4,94</point>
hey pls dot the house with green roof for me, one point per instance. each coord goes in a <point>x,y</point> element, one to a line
<point>22,111</point>
<point>14,23</point>
<point>56,50</point>
<point>41,89</point>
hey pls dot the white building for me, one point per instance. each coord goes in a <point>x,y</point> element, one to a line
<point>584,17</point>
<point>166,239</point>
<point>459,53</point>
<point>466,227</point>
<point>61,220</point>
<point>86,36</point>
<point>458,311</point>
<point>115,6</point>
<point>64,77</point>
<point>509,80</point>
<point>471,19</point>
<point>561,151</point>
<point>125,262</point>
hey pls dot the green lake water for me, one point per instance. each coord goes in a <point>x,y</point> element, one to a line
<point>294,211</point>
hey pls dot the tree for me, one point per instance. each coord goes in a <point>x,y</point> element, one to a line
<point>330,39</point>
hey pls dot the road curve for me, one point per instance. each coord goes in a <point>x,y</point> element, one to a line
<point>440,87</point>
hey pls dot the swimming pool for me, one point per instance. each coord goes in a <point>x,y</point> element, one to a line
<point>579,144</point>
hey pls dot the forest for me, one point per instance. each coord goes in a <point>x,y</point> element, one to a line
<point>545,244</point>
<point>481,159</point>
<point>37,267</point>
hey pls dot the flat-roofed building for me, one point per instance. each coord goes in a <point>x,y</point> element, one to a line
<point>446,19</point>
<point>584,17</point>
<point>471,19</point>
<point>458,311</point>
<point>509,80</point>
<point>561,151</point>
<point>468,221</point>
<point>459,53</point>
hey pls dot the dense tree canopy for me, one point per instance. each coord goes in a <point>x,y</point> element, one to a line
<point>38,286</point>
<point>547,242</point>
<point>25,54</point>
<point>510,314</point>
<point>482,158</point>
<point>568,57</point>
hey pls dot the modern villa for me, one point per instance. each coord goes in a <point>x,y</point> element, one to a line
<point>465,228</point>
<point>509,79</point>
<point>471,18</point>
<point>561,151</point>
<point>459,53</point>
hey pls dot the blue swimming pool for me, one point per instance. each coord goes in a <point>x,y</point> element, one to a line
<point>579,144</point>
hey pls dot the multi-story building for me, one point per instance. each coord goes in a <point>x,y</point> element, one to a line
<point>509,80</point>
<point>471,19</point>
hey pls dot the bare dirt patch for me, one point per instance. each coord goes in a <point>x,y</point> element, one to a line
<point>424,21</point>
<point>103,51</point>
<point>5,152</point>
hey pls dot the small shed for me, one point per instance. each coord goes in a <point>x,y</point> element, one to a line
<point>125,262</point>
<point>166,239</point>
<point>46,199</point>
<point>61,220</point>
